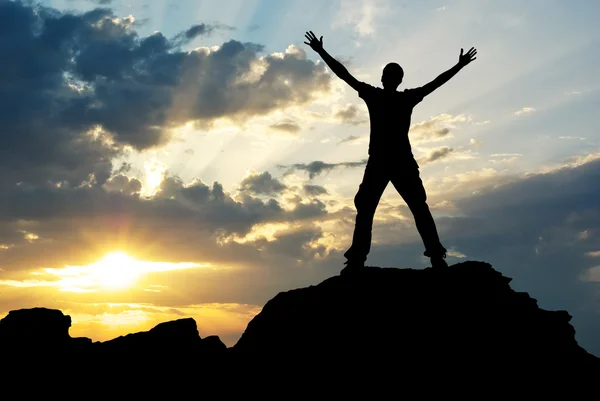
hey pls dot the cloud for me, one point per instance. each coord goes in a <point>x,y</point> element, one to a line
<point>180,220</point>
<point>316,168</point>
<point>122,183</point>
<point>350,115</point>
<point>577,92</point>
<point>195,31</point>
<point>524,110</point>
<point>287,126</point>
<point>506,155</point>
<point>569,137</point>
<point>314,190</point>
<point>93,86</point>
<point>456,254</point>
<point>499,158</point>
<point>475,142</point>
<point>437,128</point>
<point>99,2</point>
<point>262,184</point>
<point>435,155</point>
<point>350,138</point>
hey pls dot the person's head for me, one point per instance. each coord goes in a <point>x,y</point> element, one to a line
<point>392,76</point>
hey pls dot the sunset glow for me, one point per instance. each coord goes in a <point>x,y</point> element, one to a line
<point>117,270</point>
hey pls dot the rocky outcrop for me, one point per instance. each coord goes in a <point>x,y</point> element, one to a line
<point>44,329</point>
<point>35,328</point>
<point>466,313</point>
<point>176,336</point>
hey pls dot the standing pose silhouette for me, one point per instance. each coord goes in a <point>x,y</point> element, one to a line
<point>390,154</point>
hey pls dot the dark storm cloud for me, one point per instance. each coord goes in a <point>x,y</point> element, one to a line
<point>122,183</point>
<point>262,184</point>
<point>318,167</point>
<point>76,88</point>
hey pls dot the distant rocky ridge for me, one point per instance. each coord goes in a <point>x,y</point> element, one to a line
<point>465,313</point>
<point>42,329</point>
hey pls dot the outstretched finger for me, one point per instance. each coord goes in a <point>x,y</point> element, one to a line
<point>461,51</point>
<point>307,43</point>
<point>307,37</point>
<point>313,35</point>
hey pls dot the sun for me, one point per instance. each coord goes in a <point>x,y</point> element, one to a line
<point>117,270</point>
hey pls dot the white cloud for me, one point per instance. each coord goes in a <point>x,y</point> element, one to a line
<point>442,8</point>
<point>504,158</point>
<point>524,110</point>
<point>577,92</point>
<point>581,138</point>
<point>456,254</point>
<point>506,155</point>
<point>570,163</point>
<point>475,142</point>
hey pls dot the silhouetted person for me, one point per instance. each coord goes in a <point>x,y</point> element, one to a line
<point>390,154</point>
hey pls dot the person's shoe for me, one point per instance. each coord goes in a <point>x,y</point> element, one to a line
<point>353,267</point>
<point>438,262</point>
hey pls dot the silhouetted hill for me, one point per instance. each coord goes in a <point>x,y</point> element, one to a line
<point>42,329</point>
<point>464,317</point>
<point>466,313</point>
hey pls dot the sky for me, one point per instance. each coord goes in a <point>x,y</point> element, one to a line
<point>166,159</point>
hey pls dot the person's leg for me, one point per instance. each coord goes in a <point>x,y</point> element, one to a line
<point>408,183</point>
<point>367,198</point>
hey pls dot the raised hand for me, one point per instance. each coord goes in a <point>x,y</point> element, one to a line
<point>465,59</point>
<point>316,44</point>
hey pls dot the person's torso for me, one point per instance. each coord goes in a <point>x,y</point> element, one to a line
<point>390,118</point>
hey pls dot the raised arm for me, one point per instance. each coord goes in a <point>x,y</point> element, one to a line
<point>444,77</point>
<point>337,67</point>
